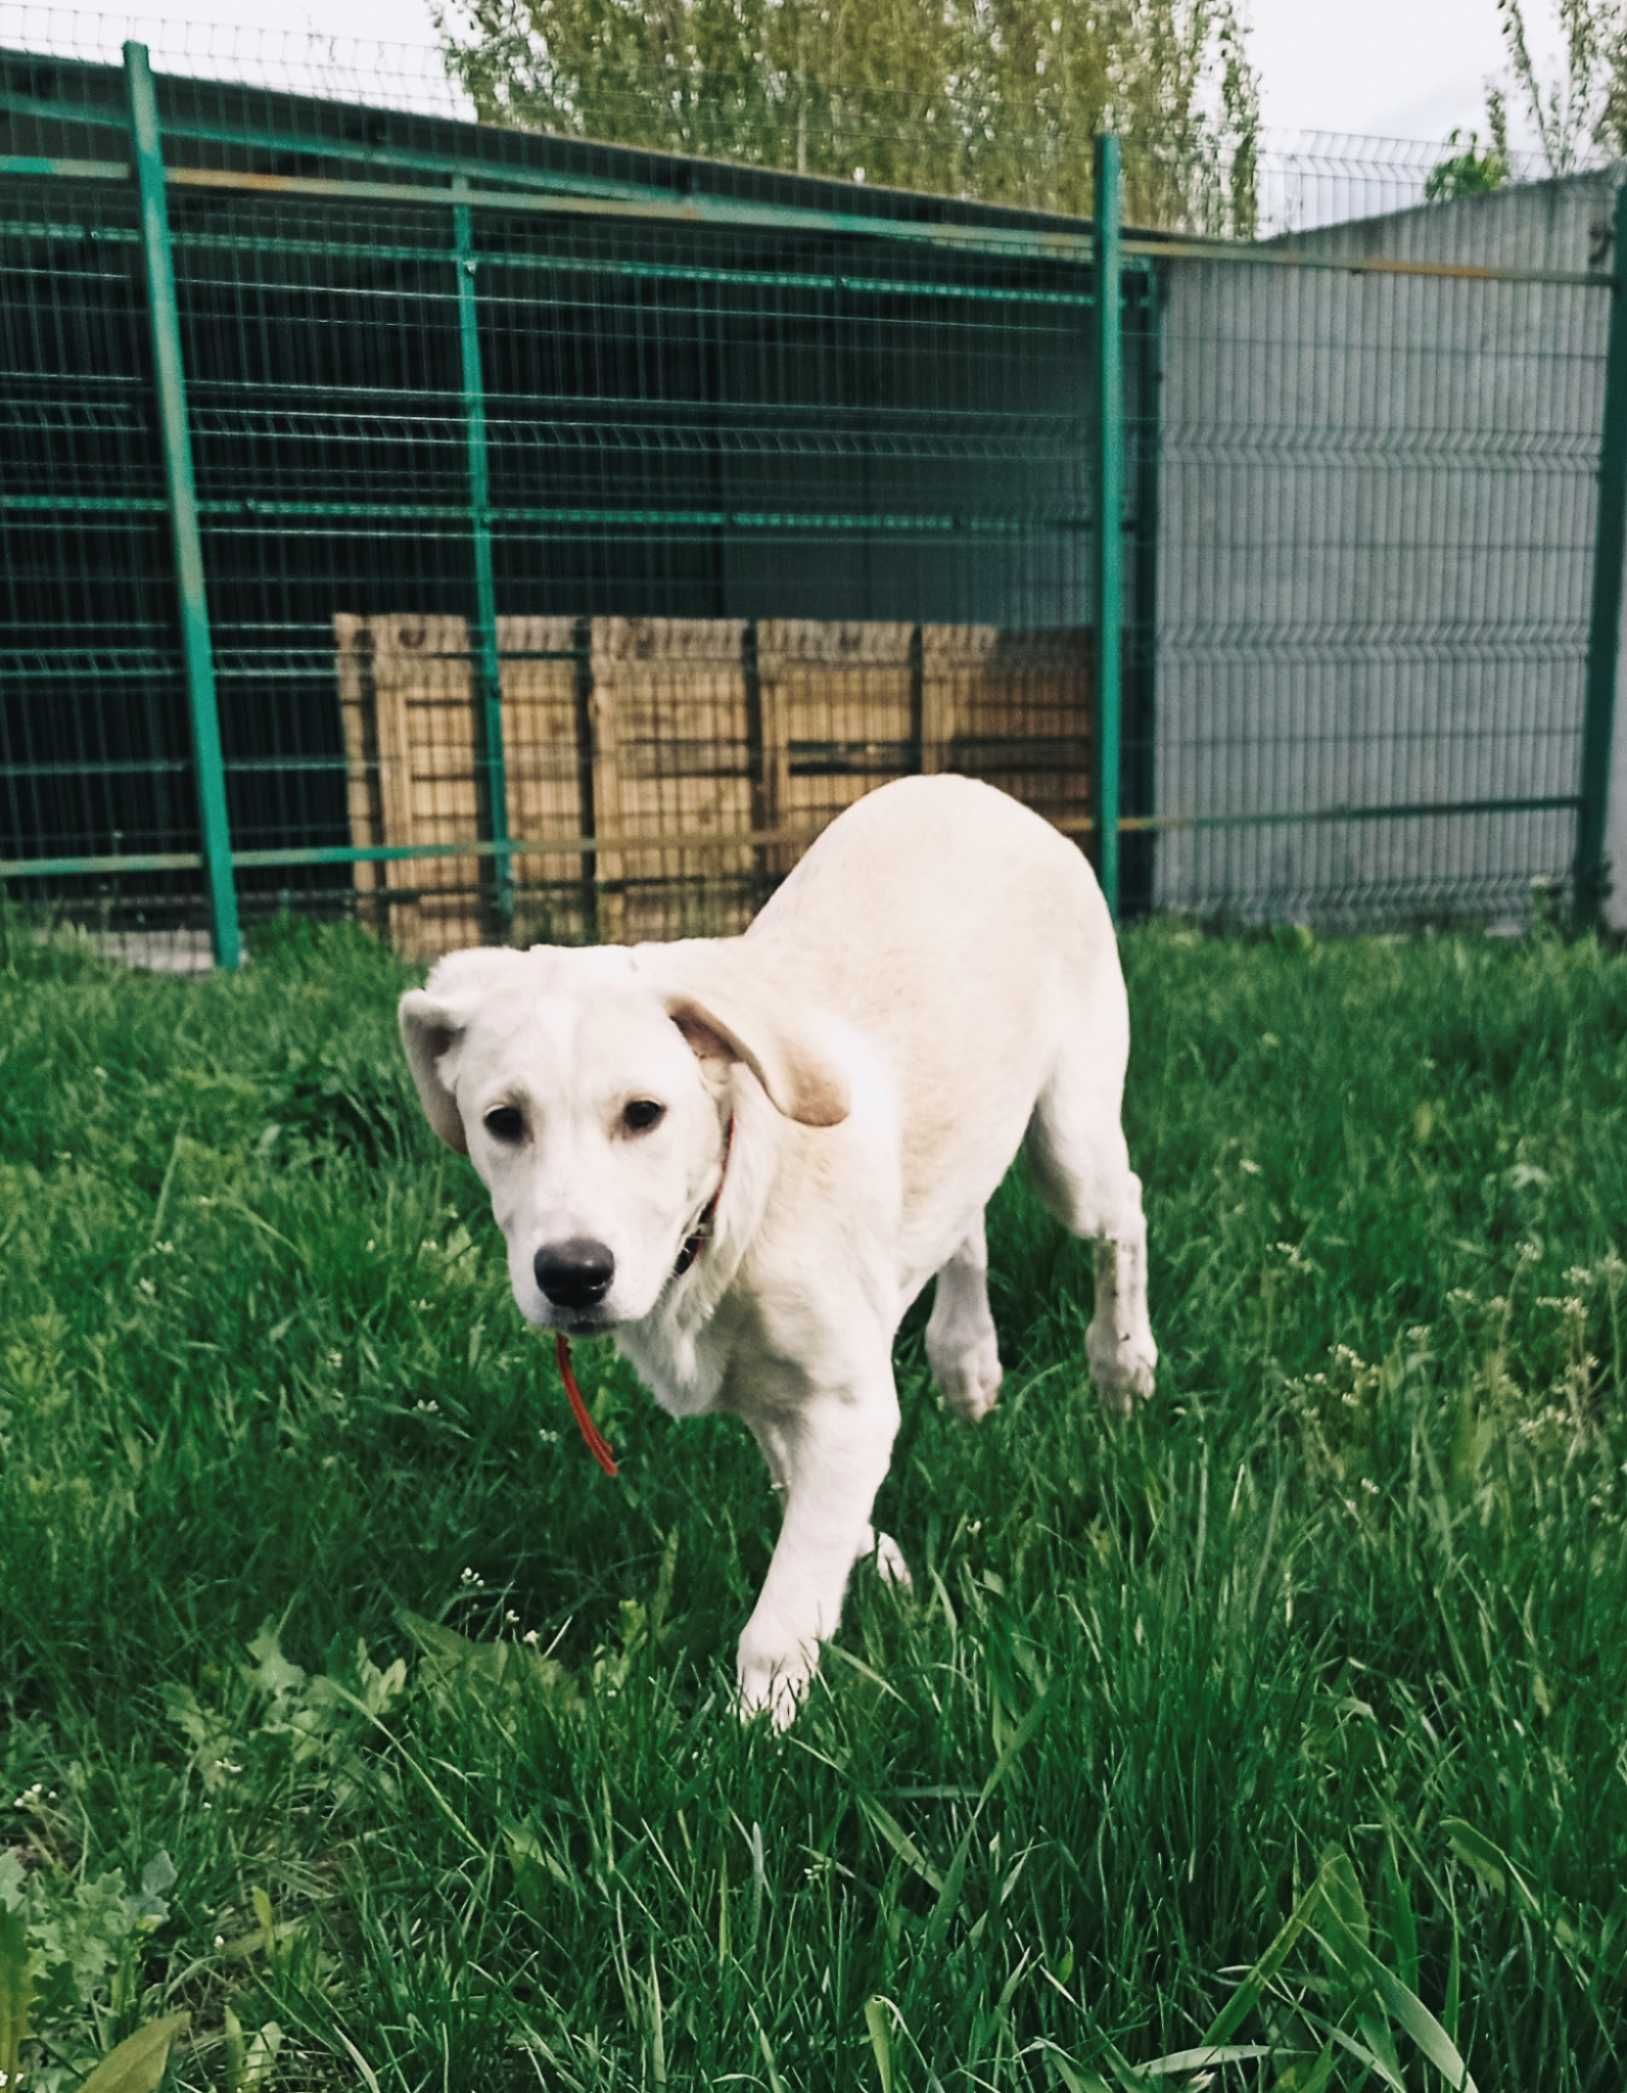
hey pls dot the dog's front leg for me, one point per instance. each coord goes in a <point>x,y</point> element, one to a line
<point>829,1455</point>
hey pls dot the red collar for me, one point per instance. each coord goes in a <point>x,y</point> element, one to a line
<point>694,1243</point>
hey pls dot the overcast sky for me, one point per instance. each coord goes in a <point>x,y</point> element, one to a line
<point>1386,68</point>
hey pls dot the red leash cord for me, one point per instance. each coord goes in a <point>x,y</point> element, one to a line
<point>595,1441</point>
<point>597,1444</point>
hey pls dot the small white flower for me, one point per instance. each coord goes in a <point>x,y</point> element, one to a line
<point>220,1940</point>
<point>512,1618</point>
<point>468,1576</point>
<point>1369,1486</point>
<point>1248,1166</point>
<point>530,1638</point>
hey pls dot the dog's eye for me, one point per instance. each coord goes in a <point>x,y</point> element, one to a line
<point>505,1123</point>
<point>642,1114</point>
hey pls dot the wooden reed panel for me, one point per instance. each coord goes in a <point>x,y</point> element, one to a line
<point>840,698</point>
<point>540,669</point>
<point>424,711</point>
<point>404,694</point>
<point>626,729</point>
<point>671,756</point>
<point>353,646</point>
<point>1017,709</point>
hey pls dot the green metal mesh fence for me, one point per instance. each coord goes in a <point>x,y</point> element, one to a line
<point>582,527</point>
<point>1376,513</point>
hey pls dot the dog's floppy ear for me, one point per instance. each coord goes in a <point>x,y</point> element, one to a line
<point>723,1020</point>
<point>432,1021</point>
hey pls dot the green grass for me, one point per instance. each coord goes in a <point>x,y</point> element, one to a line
<point>1332,1634</point>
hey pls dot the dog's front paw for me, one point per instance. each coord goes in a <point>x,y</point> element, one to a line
<point>774,1670</point>
<point>1123,1368</point>
<point>968,1378</point>
<point>891,1567</point>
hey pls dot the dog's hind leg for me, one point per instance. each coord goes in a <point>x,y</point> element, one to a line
<point>961,1347</point>
<point>1077,1151</point>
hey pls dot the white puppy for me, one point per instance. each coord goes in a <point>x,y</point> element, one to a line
<point>744,1157</point>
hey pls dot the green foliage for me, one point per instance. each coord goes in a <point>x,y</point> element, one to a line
<point>1274,1735</point>
<point>1583,112</point>
<point>1474,169</point>
<point>282,1725</point>
<point>71,1948</point>
<point>998,105</point>
<point>138,2064</point>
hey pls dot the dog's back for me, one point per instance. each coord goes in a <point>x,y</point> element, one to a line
<point>968,941</point>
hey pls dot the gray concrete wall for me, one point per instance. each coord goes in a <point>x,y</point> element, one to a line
<point>1377,497</point>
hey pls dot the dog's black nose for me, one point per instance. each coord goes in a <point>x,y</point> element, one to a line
<point>576,1273</point>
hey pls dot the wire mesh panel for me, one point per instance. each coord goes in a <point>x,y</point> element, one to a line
<point>95,756</point>
<point>325,388</point>
<point>700,455</point>
<point>566,572</point>
<point>1376,504</point>
<point>582,528</point>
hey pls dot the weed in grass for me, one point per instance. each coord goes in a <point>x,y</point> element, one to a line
<point>1272,1740</point>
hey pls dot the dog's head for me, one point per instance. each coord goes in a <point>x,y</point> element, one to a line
<point>590,1089</point>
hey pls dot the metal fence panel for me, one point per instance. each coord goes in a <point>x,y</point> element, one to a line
<point>581,529</point>
<point>1376,515</point>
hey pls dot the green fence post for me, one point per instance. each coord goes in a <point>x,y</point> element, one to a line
<point>170,383</point>
<point>488,669</point>
<point>1604,625</point>
<point>1109,435</point>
